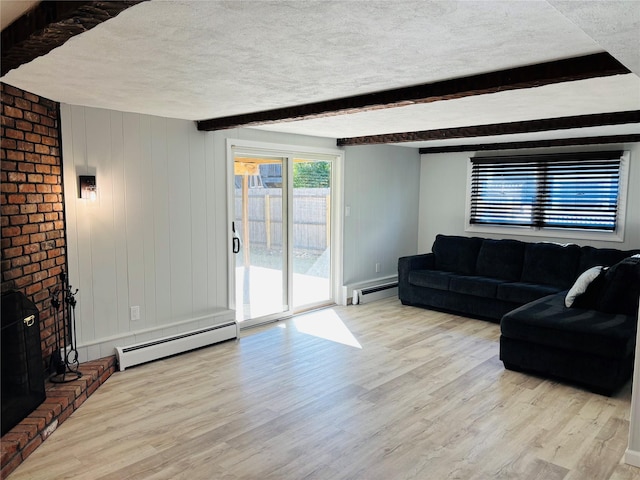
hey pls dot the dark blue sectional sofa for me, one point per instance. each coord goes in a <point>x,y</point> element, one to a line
<point>523,286</point>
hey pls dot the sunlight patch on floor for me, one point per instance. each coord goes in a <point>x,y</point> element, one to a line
<point>324,324</point>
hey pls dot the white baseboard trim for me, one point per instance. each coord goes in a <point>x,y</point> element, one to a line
<point>347,290</point>
<point>103,347</point>
<point>632,457</point>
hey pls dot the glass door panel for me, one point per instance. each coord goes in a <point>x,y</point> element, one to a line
<point>260,224</point>
<point>311,212</point>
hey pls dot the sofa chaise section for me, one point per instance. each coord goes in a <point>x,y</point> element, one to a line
<point>588,339</point>
<point>584,346</point>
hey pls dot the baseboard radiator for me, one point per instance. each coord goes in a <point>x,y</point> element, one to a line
<point>182,342</point>
<point>376,292</point>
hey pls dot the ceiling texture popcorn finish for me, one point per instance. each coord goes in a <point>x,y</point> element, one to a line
<point>49,25</point>
<point>206,60</point>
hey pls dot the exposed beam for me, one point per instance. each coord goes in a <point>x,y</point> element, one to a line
<point>526,126</point>
<point>49,25</point>
<point>572,69</point>
<point>558,142</point>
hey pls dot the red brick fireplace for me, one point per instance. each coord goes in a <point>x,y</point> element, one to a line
<point>33,228</point>
<point>34,252</point>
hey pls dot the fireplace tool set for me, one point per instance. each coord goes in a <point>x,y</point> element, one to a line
<point>64,361</point>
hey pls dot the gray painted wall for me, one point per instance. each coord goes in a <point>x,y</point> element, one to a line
<point>381,188</point>
<point>443,184</point>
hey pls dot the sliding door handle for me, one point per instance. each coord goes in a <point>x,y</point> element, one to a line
<point>236,241</point>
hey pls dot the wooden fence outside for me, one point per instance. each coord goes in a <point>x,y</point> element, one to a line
<point>311,214</point>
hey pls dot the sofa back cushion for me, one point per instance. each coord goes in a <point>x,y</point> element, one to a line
<point>500,259</point>
<point>603,257</point>
<point>456,254</point>
<point>621,287</point>
<point>551,264</point>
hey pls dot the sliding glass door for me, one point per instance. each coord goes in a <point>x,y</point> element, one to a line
<point>261,260</point>
<point>282,234</point>
<point>311,218</point>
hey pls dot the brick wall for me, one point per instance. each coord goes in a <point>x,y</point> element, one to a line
<point>31,198</point>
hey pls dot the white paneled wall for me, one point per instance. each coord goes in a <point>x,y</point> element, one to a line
<point>155,236</point>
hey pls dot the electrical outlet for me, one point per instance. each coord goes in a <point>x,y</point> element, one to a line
<point>377,268</point>
<point>135,313</point>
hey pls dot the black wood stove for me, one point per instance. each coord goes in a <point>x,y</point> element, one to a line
<point>22,366</point>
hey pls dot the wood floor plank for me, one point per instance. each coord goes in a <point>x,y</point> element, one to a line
<point>415,394</point>
<point>609,442</point>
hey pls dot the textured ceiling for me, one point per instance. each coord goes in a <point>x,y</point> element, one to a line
<point>614,25</point>
<point>205,59</point>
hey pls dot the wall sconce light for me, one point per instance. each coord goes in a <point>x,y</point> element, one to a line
<point>88,189</point>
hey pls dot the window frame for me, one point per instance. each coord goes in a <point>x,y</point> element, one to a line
<point>558,232</point>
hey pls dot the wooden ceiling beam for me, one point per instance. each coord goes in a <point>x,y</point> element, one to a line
<point>49,25</point>
<point>556,142</point>
<point>526,126</point>
<point>572,69</point>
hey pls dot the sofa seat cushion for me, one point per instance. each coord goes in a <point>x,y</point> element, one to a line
<point>521,292</point>
<point>476,286</point>
<point>501,259</point>
<point>430,279</point>
<point>547,321</point>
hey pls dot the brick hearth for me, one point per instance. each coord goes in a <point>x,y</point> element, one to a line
<point>62,400</point>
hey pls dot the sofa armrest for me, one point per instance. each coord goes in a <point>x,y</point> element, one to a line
<point>405,266</point>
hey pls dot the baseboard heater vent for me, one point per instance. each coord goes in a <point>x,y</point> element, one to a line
<point>369,294</point>
<point>183,342</point>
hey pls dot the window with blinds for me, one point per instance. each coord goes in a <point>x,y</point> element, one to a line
<point>566,191</point>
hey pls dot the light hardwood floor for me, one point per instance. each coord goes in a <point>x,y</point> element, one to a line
<point>409,394</point>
